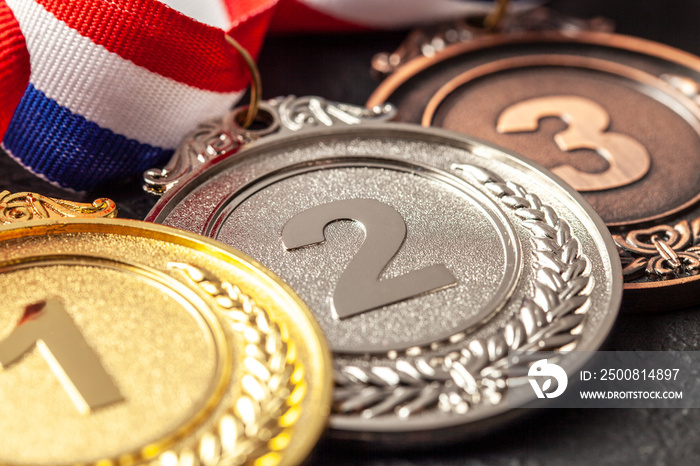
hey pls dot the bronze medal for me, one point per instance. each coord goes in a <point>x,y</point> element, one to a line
<point>614,116</point>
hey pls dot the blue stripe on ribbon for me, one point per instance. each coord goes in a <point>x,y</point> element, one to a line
<point>69,150</point>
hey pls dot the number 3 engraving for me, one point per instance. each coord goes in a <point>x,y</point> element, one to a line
<point>629,160</point>
<point>359,289</point>
<point>49,327</point>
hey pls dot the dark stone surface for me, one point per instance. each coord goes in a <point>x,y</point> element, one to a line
<point>336,67</point>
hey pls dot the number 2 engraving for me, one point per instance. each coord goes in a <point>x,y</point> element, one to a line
<point>49,327</point>
<point>359,288</point>
<point>588,121</point>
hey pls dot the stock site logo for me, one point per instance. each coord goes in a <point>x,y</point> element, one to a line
<point>543,369</point>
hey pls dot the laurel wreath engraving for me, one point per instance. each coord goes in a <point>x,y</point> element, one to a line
<point>258,426</point>
<point>22,207</point>
<point>457,374</point>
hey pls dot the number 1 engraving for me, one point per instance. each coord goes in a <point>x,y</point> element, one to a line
<point>588,121</point>
<point>359,288</point>
<point>48,326</point>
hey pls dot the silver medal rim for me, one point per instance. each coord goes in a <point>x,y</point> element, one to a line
<point>449,428</point>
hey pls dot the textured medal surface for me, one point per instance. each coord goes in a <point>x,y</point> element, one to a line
<point>123,342</point>
<point>425,256</point>
<point>616,117</point>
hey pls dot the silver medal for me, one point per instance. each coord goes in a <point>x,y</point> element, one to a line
<point>426,256</point>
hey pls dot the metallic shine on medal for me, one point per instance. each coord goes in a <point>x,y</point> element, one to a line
<point>426,257</point>
<point>124,342</point>
<point>616,117</point>
<point>24,206</point>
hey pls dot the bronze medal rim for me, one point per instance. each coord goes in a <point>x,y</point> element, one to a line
<point>633,44</point>
<point>642,297</point>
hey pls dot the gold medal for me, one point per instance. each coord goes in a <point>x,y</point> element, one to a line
<point>24,206</point>
<point>123,342</point>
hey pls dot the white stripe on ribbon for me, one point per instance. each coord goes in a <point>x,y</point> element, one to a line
<point>397,14</point>
<point>211,12</point>
<point>108,90</point>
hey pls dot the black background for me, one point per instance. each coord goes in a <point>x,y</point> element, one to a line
<point>337,67</point>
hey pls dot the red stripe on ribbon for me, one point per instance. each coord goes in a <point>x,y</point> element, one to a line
<point>164,41</point>
<point>14,66</point>
<point>250,32</point>
<point>292,16</point>
<point>240,10</point>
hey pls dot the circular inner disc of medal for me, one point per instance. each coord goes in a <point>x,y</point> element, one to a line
<point>446,231</point>
<point>621,137</point>
<point>155,349</point>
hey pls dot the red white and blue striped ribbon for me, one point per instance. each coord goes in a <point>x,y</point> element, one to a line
<point>97,90</point>
<point>114,85</point>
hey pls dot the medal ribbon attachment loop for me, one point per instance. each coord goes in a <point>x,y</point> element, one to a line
<point>494,18</point>
<point>255,82</point>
